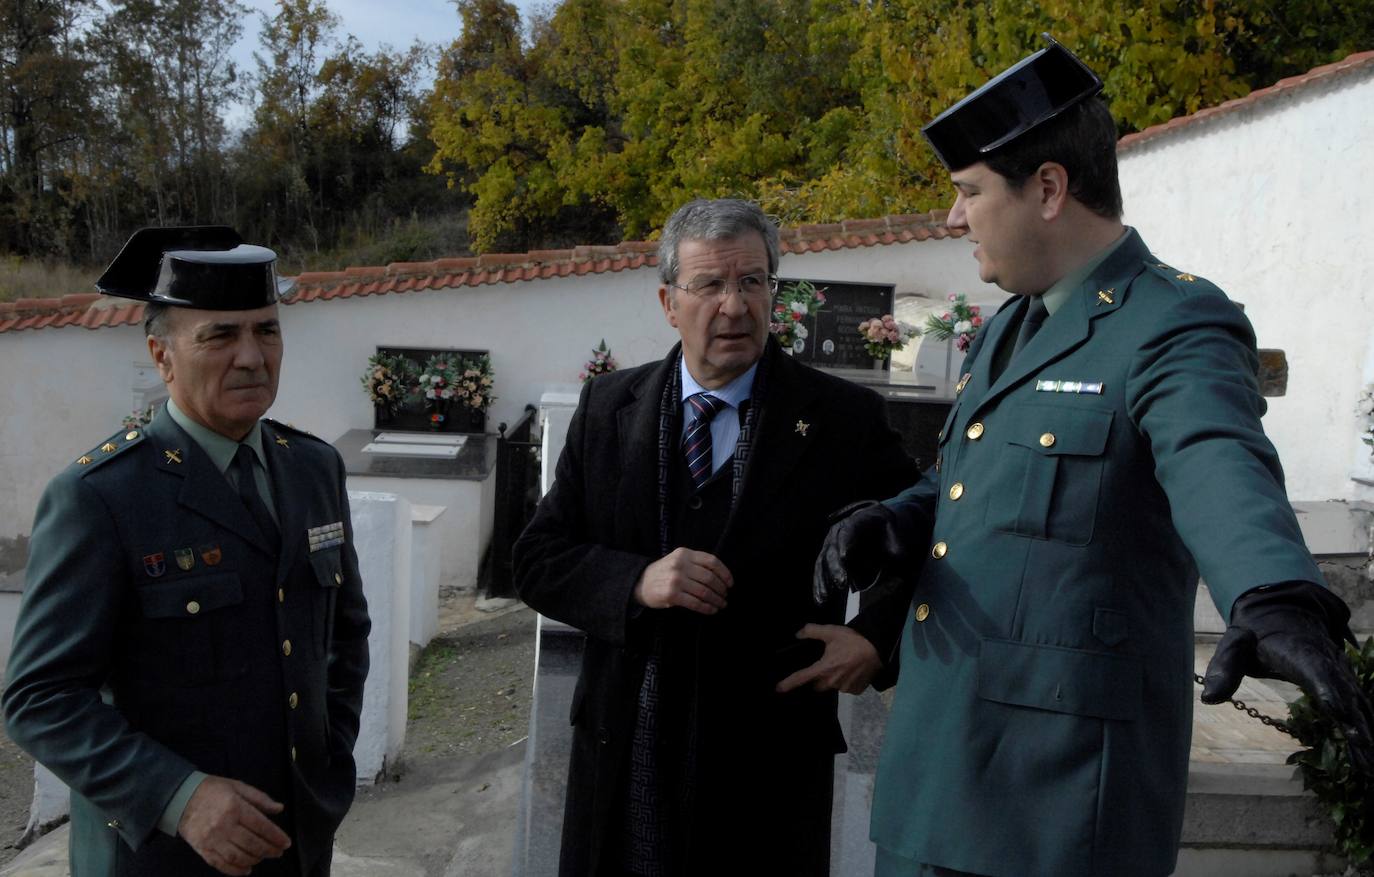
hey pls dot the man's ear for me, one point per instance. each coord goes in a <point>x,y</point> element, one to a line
<point>1051,182</point>
<point>160,349</point>
<point>665,298</point>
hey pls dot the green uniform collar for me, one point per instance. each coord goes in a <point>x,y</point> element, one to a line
<point>1059,293</point>
<point>220,449</point>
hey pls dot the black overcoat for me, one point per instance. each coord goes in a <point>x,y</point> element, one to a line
<point>822,442</point>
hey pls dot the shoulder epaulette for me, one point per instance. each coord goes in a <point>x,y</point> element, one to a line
<point>291,428</point>
<point>110,448</point>
<point>1174,275</point>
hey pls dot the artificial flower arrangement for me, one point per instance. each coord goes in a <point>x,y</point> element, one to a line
<point>473,380</point>
<point>884,335</point>
<point>388,380</point>
<point>961,322</point>
<point>796,301</point>
<point>601,363</point>
<point>139,418</point>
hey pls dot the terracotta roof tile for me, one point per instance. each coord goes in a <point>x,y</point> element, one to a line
<point>1359,62</point>
<point>95,311</point>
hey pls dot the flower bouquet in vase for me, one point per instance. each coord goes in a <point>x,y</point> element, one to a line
<point>796,301</point>
<point>437,386</point>
<point>884,335</point>
<point>474,379</point>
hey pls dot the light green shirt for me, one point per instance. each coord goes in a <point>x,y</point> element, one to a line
<point>221,451</point>
<point>1059,293</point>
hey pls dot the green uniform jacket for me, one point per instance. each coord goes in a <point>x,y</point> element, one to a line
<point>148,578</point>
<point>1042,716</point>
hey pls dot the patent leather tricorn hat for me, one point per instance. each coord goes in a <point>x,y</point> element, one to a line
<point>1027,94</point>
<point>201,266</point>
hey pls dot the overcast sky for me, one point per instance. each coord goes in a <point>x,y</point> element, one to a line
<point>398,23</point>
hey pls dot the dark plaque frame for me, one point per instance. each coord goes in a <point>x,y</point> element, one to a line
<point>847,304</point>
<point>412,417</point>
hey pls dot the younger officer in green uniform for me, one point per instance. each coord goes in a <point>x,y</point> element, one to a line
<point>190,652</point>
<point>1104,448</point>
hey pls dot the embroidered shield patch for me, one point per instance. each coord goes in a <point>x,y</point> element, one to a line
<point>155,564</point>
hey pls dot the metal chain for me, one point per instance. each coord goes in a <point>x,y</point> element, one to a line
<point>1254,713</point>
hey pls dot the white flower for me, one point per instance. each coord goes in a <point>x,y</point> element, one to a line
<point>799,308</point>
<point>801,331</point>
<point>962,326</point>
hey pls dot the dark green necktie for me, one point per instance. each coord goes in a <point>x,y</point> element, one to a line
<point>248,492</point>
<point>1036,313</point>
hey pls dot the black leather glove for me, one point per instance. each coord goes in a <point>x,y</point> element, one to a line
<point>1294,631</point>
<point>867,542</point>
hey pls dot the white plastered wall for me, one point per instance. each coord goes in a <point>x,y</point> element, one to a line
<point>65,390</point>
<point>1275,204</point>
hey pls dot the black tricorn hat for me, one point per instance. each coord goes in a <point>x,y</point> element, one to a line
<point>1029,93</point>
<point>199,266</point>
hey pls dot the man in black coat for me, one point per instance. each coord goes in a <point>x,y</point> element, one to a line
<point>680,533</point>
<point>191,648</point>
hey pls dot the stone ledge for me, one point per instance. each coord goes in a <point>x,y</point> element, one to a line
<point>1251,806</point>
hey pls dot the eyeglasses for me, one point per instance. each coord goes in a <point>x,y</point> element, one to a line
<point>750,286</point>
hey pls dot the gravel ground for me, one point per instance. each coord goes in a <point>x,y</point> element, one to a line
<point>470,695</point>
<point>470,690</point>
<point>16,791</point>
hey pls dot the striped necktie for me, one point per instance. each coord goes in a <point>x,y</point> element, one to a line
<point>696,444</point>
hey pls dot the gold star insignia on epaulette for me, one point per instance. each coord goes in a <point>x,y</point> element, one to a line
<point>283,442</point>
<point>84,460</point>
<point>108,447</point>
<point>1186,277</point>
<point>1104,296</point>
<point>173,455</point>
<point>802,427</point>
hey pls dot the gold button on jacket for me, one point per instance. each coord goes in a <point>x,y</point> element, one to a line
<point>956,490</point>
<point>939,550</point>
<point>923,612</point>
<point>1047,440</point>
<point>975,431</point>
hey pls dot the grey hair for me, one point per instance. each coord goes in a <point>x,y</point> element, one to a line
<point>156,319</point>
<point>714,220</point>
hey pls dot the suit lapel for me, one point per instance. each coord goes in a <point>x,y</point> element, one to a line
<point>786,430</point>
<point>204,489</point>
<point>637,439</point>
<point>1071,325</point>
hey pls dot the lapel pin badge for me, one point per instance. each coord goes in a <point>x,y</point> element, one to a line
<point>186,558</point>
<point>1104,296</point>
<point>283,442</point>
<point>802,427</point>
<point>155,564</point>
<point>173,456</point>
<point>963,382</point>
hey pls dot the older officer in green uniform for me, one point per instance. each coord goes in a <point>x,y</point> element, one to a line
<point>192,644</point>
<point>1103,449</point>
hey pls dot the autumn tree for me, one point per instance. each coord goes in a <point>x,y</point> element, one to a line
<point>46,90</point>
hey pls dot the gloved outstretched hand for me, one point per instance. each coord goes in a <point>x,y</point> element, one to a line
<point>867,542</point>
<point>1294,631</point>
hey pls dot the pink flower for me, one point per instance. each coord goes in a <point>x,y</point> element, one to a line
<point>953,297</point>
<point>977,321</point>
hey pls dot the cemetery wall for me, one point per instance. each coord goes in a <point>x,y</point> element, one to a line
<point>67,389</point>
<point>1275,204</point>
